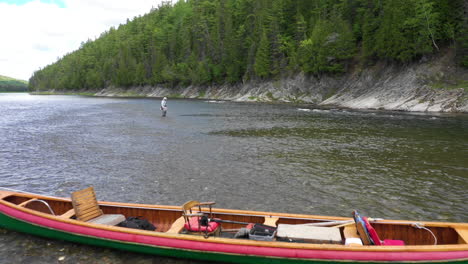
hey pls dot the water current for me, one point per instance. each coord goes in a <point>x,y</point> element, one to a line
<point>268,157</point>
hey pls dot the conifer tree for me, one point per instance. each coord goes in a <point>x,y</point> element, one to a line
<point>262,57</point>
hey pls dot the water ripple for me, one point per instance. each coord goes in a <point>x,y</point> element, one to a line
<point>269,157</point>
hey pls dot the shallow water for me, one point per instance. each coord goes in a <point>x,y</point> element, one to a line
<point>270,157</point>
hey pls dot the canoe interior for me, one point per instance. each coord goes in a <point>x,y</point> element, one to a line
<point>163,219</point>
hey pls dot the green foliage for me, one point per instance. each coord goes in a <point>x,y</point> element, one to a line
<point>330,45</point>
<point>207,42</point>
<point>461,35</point>
<point>463,47</point>
<point>262,58</point>
<point>406,32</point>
<point>8,84</point>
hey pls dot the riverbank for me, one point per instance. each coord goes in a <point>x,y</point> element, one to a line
<point>431,85</point>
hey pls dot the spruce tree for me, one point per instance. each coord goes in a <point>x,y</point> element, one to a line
<point>262,57</point>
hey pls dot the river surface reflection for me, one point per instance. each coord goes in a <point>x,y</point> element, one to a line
<point>269,157</point>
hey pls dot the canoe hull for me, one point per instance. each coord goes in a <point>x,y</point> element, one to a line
<point>22,221</point>
<point>25,227</point>
<point>12,223</point>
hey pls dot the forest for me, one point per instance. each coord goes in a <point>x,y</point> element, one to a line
<point>8,84</point>
<point>209,42</point>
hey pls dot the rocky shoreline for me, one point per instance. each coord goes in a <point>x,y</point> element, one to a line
<point>432,85</point>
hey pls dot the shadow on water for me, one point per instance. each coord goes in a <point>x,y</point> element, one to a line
<point>40,250</point>
<point>269,157</point>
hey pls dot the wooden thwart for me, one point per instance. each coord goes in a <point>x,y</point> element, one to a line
<point>271,220</point>
<point>463,233</point>
<point>68,213</point>
<point>177,226</point>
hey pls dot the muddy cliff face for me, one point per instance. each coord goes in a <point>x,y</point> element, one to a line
<point>431,85</point>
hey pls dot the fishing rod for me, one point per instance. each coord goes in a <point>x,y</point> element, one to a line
<point>228,221</point>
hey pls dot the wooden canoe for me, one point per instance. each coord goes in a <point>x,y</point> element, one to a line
<point>52,218</point>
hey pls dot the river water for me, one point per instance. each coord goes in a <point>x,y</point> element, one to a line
<point>269,157</point>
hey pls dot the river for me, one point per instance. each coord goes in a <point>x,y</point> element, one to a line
<point>269,157</point>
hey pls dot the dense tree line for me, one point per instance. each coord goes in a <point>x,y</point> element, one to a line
<point>8,84</point>
<point>205,42</point>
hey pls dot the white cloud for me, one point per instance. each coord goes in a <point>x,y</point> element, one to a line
<point>35,34</point>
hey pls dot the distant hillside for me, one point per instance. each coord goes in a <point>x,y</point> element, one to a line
<point>215,42</point>
<point>8,84</point>
<point>409,55</point>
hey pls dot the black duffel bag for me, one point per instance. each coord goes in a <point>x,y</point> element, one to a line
<point>137,223</point>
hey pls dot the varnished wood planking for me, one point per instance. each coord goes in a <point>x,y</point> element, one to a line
<point>415,236</point>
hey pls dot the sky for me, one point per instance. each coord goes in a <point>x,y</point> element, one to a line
<point>35,33</point>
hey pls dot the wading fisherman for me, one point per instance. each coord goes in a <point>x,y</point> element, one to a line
<point>164,106</point>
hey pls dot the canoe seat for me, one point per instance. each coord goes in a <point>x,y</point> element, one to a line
<point>108,219</point>
<point>87,209</point>
<point>193,221</point>
<point>368,234</point>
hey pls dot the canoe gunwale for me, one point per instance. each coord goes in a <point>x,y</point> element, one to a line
<point>244,212</point>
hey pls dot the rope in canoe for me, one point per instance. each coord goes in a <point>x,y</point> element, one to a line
<point>413,224</point>
<point>420,226</point>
